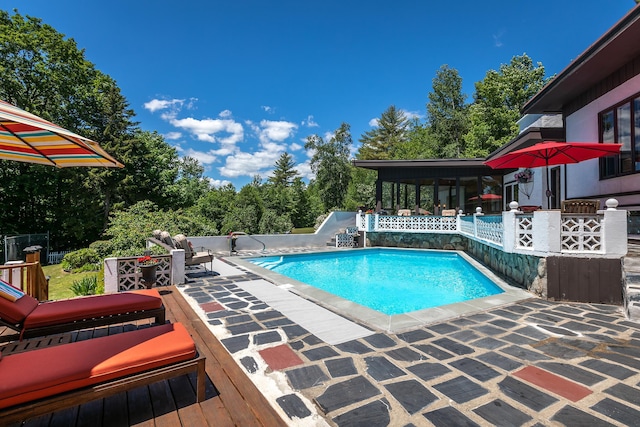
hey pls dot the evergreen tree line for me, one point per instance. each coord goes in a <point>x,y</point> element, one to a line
<point>46,74</point>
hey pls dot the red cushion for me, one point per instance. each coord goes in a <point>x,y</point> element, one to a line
<point>48,371</point>
<point>74,309</point>
<point>15,312</point>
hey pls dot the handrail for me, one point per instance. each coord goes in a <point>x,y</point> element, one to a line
<point>233,235</point>
<point>30,279</point>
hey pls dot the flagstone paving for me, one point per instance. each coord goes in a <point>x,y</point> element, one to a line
<point>530,363</point>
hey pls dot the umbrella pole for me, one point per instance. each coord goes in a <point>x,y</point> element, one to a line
<point>548,186</point>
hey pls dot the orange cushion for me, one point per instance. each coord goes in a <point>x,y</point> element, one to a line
<point>48,371</point>
<point>16,311</point>
<point>74,309</point>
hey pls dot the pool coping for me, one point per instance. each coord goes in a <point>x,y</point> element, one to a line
<point>398,322</point>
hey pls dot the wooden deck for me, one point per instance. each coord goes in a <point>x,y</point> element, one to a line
<point>231,398</point>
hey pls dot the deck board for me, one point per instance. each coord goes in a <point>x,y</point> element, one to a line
<point>231,398</point>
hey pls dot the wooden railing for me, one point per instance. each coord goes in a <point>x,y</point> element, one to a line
<point>29,277</point>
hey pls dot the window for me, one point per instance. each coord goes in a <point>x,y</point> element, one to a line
<point>621,125</point>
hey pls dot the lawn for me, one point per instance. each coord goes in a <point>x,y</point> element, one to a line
<point>60,281</point>
<point>308,230</point>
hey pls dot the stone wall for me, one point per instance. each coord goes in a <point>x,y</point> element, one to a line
<point>524,271</point>
<point>417,240</point>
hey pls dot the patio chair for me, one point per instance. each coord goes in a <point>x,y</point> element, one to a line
<point>191,257</point>
<point>449,212</point>
<point>31,318</point>
<point>529,208</point>
<point>49,379</point>
<point>580,206</point>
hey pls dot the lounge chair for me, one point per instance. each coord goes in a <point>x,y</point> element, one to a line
<point>580,206</point>
<point>31,318</point>
<point>191,257</point>
<point>49,379</point>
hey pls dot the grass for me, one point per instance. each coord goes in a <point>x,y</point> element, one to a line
<point>60,281</point>
<point>307,230</point>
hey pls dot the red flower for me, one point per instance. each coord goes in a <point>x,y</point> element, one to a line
<point>147,260</point>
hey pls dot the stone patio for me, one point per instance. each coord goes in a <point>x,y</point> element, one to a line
<point>530,363</point>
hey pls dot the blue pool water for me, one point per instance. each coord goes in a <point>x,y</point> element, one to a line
<point>387,280</point>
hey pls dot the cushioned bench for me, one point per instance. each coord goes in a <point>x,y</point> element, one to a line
<point>52,378</point>
<point>31,318</point>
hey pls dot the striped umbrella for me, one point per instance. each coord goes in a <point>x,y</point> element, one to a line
<point>25,137</point>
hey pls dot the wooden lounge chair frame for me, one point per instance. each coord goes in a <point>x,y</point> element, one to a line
<point>69,399</point>
<point>105,317</point>
<point>157,314</point>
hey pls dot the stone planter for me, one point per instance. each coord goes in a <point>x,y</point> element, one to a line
<point>148,275</point>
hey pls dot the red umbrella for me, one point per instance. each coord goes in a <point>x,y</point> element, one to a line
<point>486,197</point>
<point>553,153</point>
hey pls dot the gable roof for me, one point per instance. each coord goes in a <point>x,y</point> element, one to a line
<point>617,47</point>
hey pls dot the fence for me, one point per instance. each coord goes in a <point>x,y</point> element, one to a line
<point>56,257</point>
<point>542,233</point>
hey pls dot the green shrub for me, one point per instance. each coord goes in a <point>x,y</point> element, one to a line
<point>319,220</point>
<point>102,247</point>
<point>79,258</point>
<point>86,286</point>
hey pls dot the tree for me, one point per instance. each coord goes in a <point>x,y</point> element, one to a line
<point>284,172</point>
<point>216,204</point>
<point>47,75</point>
<point>128,228</point>
<point>498,99</point>
<point>447,113</point>
<point>330,163</point>
<point>420,143</point>
<point>380,143</point>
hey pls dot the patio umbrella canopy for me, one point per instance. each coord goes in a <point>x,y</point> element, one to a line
<point>487,197</point>
<point>553,153</point>
<point>25,137</point>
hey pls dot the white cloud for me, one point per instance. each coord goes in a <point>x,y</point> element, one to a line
<point>249,164</point>
<point>173,135</point>
<point>275,130</point>
<point>204,157</point>
<point>206,130</point>
<point>497,39</point>
<point>304,169</point>
<point>310,122</point>
<point>267,109</point>
<point>373,123</point>
<point>217,183</point>
<point>162,104</point>
<point>225,114</point>
<point>411,114</point>
<point>295,146</point>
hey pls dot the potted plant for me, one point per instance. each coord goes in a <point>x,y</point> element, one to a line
<point>148,267</point>
<point>525,181</point>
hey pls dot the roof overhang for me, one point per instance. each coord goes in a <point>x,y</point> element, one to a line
<point>617,47</point>
<point>528,138</point>
<point>423,163</point>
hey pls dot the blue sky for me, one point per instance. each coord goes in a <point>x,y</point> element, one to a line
<point>236,83</point>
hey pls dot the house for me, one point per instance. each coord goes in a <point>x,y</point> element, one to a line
<point>597,97</point>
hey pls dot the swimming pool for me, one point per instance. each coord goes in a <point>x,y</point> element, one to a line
<point>390,281</point>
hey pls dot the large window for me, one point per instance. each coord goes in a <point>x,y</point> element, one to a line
<point>621,125</point>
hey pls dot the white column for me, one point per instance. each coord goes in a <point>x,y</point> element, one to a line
<point>546,230</point>
<point>177,266</point>
<point>110,275</point>
<point>509,231</point>
<point>614,230</point>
